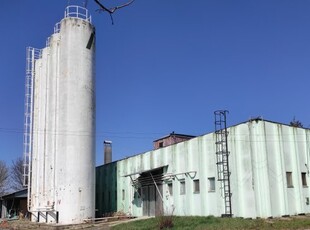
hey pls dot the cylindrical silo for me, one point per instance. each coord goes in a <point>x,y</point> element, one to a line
<point>75,147</point>
<point>63,156</point>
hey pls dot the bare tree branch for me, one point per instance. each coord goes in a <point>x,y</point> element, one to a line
<point>4,175</point>
<point>16,174</point>
<point>113,9</point>
<point>296,123</point>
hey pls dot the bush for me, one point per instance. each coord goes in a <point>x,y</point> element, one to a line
<point>165,222</point>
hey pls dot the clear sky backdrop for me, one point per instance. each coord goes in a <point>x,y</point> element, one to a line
<point>167,65</point>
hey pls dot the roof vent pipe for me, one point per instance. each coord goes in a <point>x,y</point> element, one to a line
<point>107,152</point>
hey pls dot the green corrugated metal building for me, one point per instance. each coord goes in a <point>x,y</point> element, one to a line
<point>269,175</point>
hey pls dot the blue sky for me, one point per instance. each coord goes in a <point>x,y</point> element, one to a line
<point>168,65</point>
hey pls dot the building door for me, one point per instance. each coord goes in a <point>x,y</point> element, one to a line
<point>152,201</point>
<point>159,201</point>
<point>145,198</point>
<point>151,192</point>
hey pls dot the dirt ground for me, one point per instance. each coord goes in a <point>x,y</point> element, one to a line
<point>26,224</point>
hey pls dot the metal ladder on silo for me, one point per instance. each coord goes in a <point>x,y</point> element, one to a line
<point>222,158</point>
<point>31,55</point>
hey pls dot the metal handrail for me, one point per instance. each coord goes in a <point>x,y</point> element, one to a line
<point>77,12</point>
<point>57,27</point>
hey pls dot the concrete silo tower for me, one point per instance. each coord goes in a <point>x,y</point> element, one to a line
<point>59,138</point>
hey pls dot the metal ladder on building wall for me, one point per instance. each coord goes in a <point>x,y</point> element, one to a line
<point>222,161</point>
<point>31,55</point>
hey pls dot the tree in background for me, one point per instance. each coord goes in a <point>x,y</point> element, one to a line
<point>4,176</point>
<point>16,174</point>
<point>296,123</point>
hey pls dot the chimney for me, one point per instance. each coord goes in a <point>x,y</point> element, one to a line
<point>107,151</point>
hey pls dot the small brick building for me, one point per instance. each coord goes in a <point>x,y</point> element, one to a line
<point>171,139</point>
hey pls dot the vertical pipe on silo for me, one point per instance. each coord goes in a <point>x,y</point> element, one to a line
<point>51,118</point>
<point>37,150</point>
<point>42,127</point>
<point>45,75</point>
<point>56,133</point>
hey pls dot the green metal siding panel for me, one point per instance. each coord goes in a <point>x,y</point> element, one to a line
<point>106,189</point>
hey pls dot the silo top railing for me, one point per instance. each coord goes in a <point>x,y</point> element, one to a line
<point>71,12</point>
<point>57,27</point>
<point>77,12</point>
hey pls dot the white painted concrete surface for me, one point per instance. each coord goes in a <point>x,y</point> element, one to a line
<point>63,163</point>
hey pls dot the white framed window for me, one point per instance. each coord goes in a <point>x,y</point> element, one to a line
<point>289,180</point>
<point>123,194</point>
<point>170,188</point>
<point>182,187</point>
<point>196,186</point>
<point>304,179</point>
<point>211,184</point>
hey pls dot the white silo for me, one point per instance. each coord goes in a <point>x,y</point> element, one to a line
<point>62,137</point>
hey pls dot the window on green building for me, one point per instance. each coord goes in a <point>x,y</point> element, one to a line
<point>182,187</point>
<point>304,179</point>
<point>170,189</point>
<point>289,180</point>
<point>196,186</point>
<point>211,184</point>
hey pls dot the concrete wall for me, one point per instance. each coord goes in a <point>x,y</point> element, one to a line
<point>63,157</point>
<point>261,154</point>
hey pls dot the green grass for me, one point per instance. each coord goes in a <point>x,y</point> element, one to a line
<point>211,222</point>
